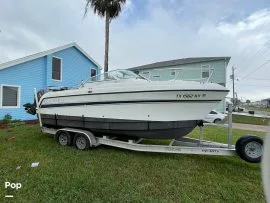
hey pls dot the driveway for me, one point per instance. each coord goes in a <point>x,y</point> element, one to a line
<point>260,128</point>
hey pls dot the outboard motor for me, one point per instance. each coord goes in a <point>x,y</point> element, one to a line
<point>31,108</point>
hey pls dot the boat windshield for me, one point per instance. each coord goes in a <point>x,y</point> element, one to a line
<point>115,75</point>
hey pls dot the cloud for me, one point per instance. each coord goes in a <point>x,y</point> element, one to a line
<point>146,31</point>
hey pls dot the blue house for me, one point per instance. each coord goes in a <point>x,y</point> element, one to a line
<point>64,66</point>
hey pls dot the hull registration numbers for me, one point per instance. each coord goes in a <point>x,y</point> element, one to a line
<point>189,96</point>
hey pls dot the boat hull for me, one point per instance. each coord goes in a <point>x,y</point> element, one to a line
<point>176,119</point>
<point>120,127</point>
<point>149,106</point>
<point>155,113</point>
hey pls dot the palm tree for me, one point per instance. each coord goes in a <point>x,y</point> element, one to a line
<point>109,9</point>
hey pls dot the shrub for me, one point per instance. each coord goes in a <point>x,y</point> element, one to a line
<point>7,118</point>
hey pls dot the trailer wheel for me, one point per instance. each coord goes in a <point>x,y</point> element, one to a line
<point>64,138</point>
<point>81,142</point>
<point>250,148</point>
<point>238,147</point>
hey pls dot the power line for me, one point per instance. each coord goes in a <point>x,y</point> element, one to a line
<point>262,56</point>
<point>265,45</point>
<point>260,49</point>
<point>261,28</point>
<point>256,69</point>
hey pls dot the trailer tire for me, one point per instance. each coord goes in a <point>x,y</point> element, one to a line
<point>250,148</point>
<point>238,145</point>
<point>64,138</point>
<point>81,142</point>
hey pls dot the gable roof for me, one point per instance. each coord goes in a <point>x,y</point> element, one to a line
<point>45,53</point>
<point>179,62</point>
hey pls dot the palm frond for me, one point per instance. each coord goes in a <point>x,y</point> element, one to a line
<point>101,7</point>
<point>86,7</point>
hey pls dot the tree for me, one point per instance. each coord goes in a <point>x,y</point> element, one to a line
<point>108,9</point>
<point>248,101</point>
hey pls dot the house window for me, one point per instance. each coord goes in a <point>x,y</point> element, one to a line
<point>93,72</point>
<point>173,73</point>
<point>10,96</point>
<point>205,71</point>
<point>205,74</point>
<point>56,68</point>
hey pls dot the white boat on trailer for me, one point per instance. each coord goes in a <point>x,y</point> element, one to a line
<point>123,103</point>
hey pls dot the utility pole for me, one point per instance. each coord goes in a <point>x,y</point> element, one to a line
<point>232,77</point>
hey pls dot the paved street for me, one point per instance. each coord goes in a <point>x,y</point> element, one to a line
<point>260,128</point>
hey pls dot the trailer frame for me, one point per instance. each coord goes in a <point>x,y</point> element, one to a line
<point>182,146</point>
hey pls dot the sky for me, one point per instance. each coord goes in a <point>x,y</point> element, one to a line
<point>149,31</point>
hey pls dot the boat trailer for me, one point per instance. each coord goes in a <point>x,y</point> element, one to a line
<point>249,147</point>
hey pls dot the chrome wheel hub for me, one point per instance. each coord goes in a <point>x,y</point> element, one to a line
<point>254,149</point>
<point>81,143</point>
<point>63,139</point>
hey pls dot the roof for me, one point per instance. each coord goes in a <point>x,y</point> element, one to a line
<point>45,53</point>
<point>179,62</point>
<point>268,99</point>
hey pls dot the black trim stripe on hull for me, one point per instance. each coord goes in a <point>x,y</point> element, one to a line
<point>122,127</point>
<point>125,102</point>
<point>90,94</point>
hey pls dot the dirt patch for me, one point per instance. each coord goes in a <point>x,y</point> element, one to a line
<point>17,123</point>
<point>8,127</point>
<point>3,125</point>
<point>31,122</point>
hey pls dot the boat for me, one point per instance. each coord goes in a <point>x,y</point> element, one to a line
<point>123,103</point>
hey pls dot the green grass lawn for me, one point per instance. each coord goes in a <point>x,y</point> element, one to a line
<point>250,120</point>
<point>107,174</point>
<point>265,109</point>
